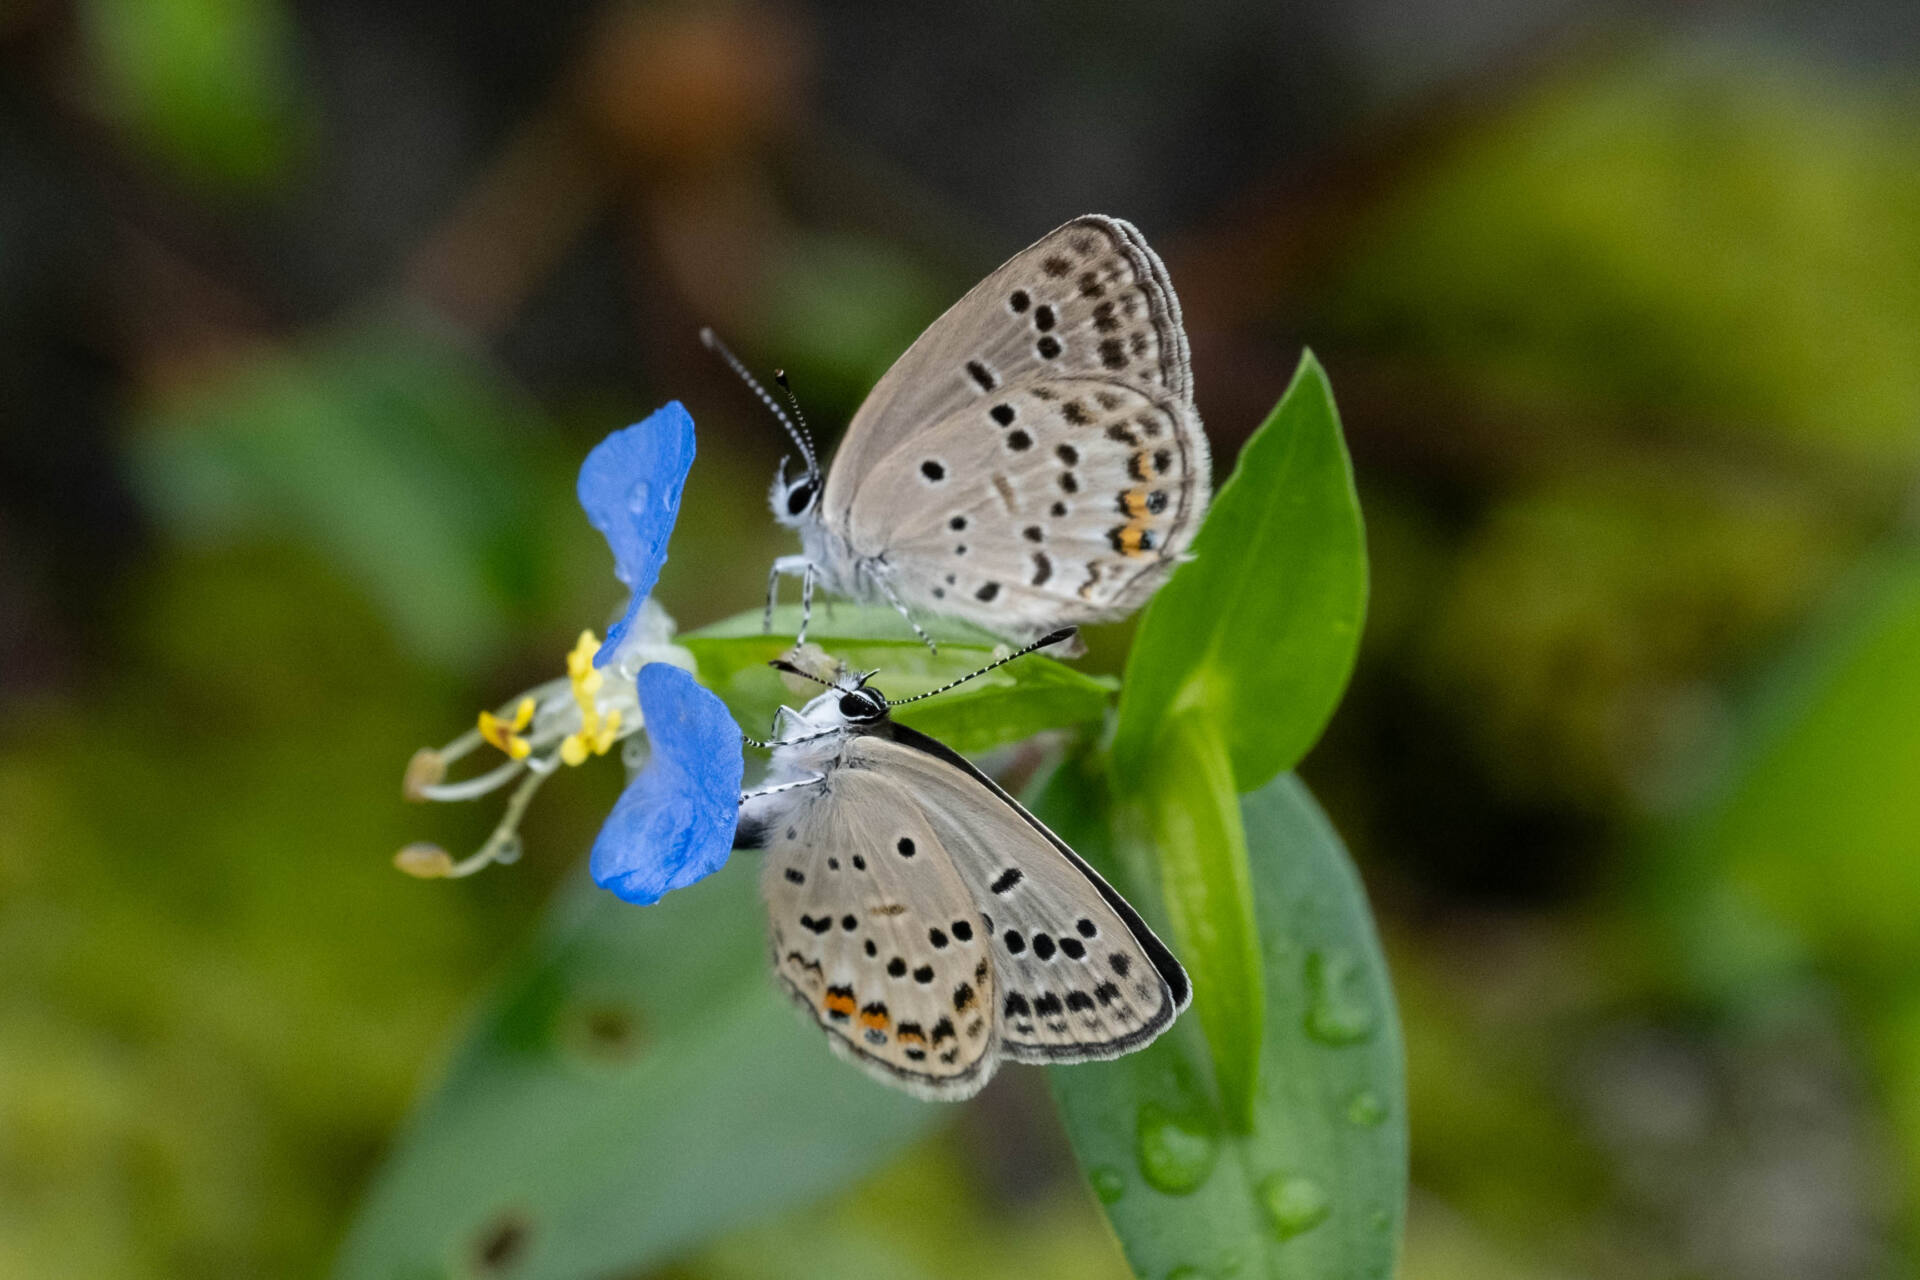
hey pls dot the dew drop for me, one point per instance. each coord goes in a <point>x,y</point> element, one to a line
<point>508,851</point>
<point>1337,1012</point>
<point>633,752</point>
<point>1293,1204</point>
<point>639,496</point>
<point>1176,1152</point>
<point>1108,1183</point>
<point>1365,1109</point>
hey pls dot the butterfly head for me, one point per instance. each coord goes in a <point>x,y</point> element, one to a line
<point>862,704</point>
<point>849,702</point>
<point>795,499</point>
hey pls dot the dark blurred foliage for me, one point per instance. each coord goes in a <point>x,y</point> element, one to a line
<point>309,309</point>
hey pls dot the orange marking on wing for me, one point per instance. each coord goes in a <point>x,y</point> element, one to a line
<point>836,1002</point>
<point>911,1035</point>
<point>875,1019</point>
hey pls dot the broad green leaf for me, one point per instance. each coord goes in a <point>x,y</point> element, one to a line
<point>1809,852</point>
<point>1261,628</point>
<point>1004,705</point>
<point>1803,865</point>
<point>634,1088</point>
<point>1193,811</point>
<point>401,458</point>
<point>1317,1186</point>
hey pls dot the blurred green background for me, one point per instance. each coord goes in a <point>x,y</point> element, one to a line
<point>309,309</point>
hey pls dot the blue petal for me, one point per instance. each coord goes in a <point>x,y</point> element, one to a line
<point>674,823</point>
<point>630,487</point>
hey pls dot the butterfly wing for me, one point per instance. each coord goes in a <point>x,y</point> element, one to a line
<point>875,933</point>
<point>1078,973</point>
<point>1086,298</point>
<point>1052,501</point>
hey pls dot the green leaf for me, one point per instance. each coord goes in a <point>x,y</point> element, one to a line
<point>593,1122</point>
<point>1013,702</point>
<point>403,459</point>
<point>1193,811</point>
<point>1261,628</point>
<point>212,85</point>
<point>1317,1186</point>
<point>1808,852</point>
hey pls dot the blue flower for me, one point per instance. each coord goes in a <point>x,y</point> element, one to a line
<point>630,488</point>
<point>674,823</point>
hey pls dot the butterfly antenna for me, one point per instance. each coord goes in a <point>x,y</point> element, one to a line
<point>781,664</point>
<point>780,376</point>
<point>804,443</point>
<point>1064,633</point>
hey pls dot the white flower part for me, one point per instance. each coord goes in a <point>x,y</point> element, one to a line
<point>649,639</point>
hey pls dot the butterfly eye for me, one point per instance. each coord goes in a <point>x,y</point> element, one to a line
<point>862,704</point>
<point>800,497</point>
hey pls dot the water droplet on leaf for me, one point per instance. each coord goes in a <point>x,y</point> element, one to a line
<point>1176,1152</point>
<point>1293,1204</point>
<point>1365,1108</point>
<point>1338,1012</point>
<point>1108,1183</point>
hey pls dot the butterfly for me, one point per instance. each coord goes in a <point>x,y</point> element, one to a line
<point>1033,461</point>
<point>930,924</point>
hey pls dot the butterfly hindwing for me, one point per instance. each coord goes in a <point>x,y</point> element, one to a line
<point>1088,298</point>
<point>1078,974</point>
<point>876,934</point>
<point>1055,500</point>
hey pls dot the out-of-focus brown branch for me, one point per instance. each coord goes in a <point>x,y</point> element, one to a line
<point>668,107</point>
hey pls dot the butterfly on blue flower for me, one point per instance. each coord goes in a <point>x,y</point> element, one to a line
<point>674,823</point>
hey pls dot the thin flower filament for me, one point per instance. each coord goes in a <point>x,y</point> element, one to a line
<point>559,722</point>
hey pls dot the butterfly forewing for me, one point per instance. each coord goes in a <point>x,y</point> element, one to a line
<point>1078,975</point>
<point>1088,298</point>
<point>1054,500</point>
<point>874,932</point>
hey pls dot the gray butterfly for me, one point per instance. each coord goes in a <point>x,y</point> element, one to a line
<point>1033,461</point>
<point>929,923</point>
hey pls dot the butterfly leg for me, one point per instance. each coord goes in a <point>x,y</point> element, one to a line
<point>794,742</point>
<point>785,565</point>
<point>886,589</point>
<point>812,780</point>
<point>806,602</point>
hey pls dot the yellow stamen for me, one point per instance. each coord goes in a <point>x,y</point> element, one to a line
<point>580,660</point>
<point>506,734</point>
<point>596,733</point>
<point>427,768</point>
<point>424,861</point>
